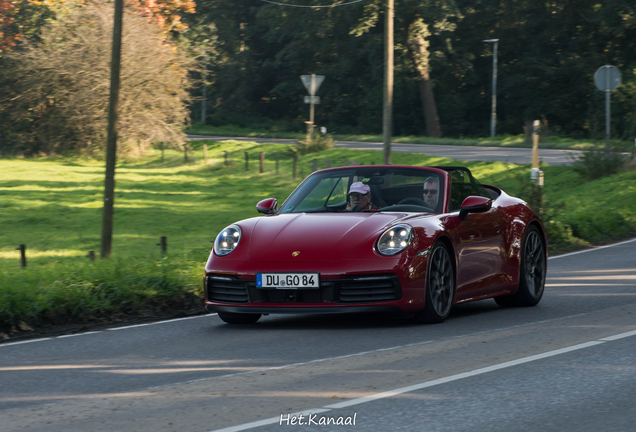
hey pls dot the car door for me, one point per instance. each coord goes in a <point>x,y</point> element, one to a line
<point>479,240</point>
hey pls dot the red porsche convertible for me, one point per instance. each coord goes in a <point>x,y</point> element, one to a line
<point>379,239</point>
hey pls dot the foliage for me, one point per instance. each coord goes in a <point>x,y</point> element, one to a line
<point>559,234</point>
<point>601,162</point>
<point>315,143</point>
<point>101,290</point>
<point>21,19</point>
<point>165,13</point>
<point>54,94</point>
<point>547,55</point>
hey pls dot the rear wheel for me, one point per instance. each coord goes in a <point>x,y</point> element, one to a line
<point>440,286</point>
<point>239,318</point>
<point>533,267</point>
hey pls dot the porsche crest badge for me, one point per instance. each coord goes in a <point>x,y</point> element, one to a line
<point>295,253</point>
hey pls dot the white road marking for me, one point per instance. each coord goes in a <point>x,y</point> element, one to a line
<point>158,322</point>
<point>77,334</point>
<point>101,331</point>
<point>440,381</point>
<point>24,342</point>
<point>619,336</point>
<point>592,250</point>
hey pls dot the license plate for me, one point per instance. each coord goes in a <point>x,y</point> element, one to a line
<point>289,281</point>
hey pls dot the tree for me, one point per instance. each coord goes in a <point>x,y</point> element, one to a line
<point>415,20</point>
<point>6,20</point>
<point>548,52</point>
<point>54,94</point>
<point>165,13</point>
<point>21,19</point>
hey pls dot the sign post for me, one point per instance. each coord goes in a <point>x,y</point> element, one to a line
<point>607,78</point>
<point>312,84</point>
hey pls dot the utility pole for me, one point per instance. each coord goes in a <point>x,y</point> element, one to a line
<point>387,112</point>
<point>205,88</point>
<point>493,111</point>
<point>111,141</point>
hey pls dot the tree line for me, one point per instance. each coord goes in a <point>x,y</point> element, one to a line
<point>249,55</point>
<point>548,53</point>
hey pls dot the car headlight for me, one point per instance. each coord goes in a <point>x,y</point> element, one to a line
<point>395,240</point>
<point>227,240</point>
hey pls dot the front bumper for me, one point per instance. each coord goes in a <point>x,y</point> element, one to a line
<point>375,285</point>
<point>360,293</point>
<point>303,310</point>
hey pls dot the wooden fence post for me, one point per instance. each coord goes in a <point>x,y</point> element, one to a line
<point>22,250</point>
<point>262,167</point>
<point>295,166</point>
<point>164,244</point>
<point>328,162</point>
<point>225,158</point>
<point>277,160</point>
<point>247,161</point>
<point>91,255</point>
<point>205,153</point>
<point>315,165</point>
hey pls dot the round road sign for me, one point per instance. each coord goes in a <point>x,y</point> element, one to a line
<point>607,78</point>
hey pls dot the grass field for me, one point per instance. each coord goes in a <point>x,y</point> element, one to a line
<point>53,205</point>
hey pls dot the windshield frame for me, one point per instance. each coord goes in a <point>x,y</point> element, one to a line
<point>375,176</point>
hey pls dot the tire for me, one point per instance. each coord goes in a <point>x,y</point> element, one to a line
<point>440,286</point>
<point>239,318</point>
<point>532,271</point>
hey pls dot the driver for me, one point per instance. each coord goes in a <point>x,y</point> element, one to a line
<point>431,192</point>
<point>360,195</point>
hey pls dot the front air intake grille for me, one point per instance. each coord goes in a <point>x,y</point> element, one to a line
<point>360,289</point>
<point>226,289</point>
<point>370,289</point>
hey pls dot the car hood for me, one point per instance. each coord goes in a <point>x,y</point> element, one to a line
<point>315,236</point>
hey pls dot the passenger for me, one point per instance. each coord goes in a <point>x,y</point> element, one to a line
<point>360,195</point>
<point>431,192</point>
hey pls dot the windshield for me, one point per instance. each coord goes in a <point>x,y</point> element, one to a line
<point>368,189</point>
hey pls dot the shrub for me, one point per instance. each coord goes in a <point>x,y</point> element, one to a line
<point>315,143</point>
<point>54,93</point>
<point>601,162</point>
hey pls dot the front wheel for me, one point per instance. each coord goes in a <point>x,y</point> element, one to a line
<point>239,318</point>
<point>532,271</point>
<point>440,286</point>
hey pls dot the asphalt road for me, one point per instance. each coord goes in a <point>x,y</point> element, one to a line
<point>568,364</point>
<point>464,153</point>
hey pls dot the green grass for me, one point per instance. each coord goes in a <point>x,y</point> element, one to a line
<point>518,141</point>
<point>54,206</point>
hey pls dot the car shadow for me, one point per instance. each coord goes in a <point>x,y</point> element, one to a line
<point>353,321</point>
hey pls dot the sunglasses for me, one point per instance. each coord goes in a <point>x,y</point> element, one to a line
<point>430,191</point>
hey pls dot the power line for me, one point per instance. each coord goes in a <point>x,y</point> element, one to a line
<point>316,6</point>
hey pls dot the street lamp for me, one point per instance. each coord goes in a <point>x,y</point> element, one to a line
<point>493,117</point>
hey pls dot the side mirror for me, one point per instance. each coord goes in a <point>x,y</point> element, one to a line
<point>267,206</point>
<point>474,204</point>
